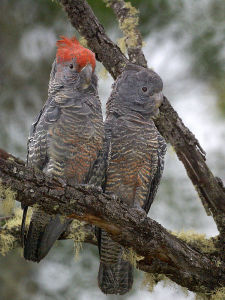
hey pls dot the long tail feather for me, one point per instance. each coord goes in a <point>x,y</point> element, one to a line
<point>44,230</point>
<point>22,232</point>
<point>115,274</point>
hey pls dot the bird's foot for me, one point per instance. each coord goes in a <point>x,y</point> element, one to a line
<point>140,212</point>
<point>63,183</point>
<point>91,187</point>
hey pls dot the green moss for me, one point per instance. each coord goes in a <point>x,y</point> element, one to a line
<point>83,42</point>
<point>122,45</point>
<point>151,280</point>
<point>10,158</point>
<point>8,200</point>
<point>56,207</point>
<point>6,243</point>
<point>201,296</point>
<point>129,24</point>
<point>15,222</point>
<point>131,256</point>
<point>197,240</point>
<point>77,233</point>
<point>7,240</point>
<point>219,294</point>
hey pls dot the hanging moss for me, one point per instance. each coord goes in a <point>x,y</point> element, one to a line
<point>7,240</point>
<point>131,256</point>
<point>77,233</point>
<point>8,200</point>
<point>150,280</point>
<point>6,243</point>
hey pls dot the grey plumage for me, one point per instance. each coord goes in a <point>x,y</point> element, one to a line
<point>135,159</point>
<point>64,142</point>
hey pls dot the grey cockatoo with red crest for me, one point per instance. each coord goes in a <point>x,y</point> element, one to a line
<point>66,137</point>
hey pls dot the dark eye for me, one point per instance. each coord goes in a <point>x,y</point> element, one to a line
<point>144,89</point>
<point>71,66</point>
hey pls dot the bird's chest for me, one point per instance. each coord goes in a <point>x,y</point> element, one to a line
<point>74,128</point>
<point>73,144</point>
<point>132,160</point>
<point>129,145</point>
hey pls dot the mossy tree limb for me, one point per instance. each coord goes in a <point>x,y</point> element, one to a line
<point>162,251</point>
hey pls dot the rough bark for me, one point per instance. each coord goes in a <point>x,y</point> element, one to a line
<point>162,252</point>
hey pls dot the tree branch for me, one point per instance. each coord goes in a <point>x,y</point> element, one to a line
<point>169,123</point>
<point>162,252</point>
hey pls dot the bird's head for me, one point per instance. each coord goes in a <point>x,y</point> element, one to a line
<point>74,65</point>
<point>140,90</point>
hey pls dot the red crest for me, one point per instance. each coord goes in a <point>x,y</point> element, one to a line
<point>69,49</point>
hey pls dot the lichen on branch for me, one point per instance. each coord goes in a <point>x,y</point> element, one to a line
<point>128,18</point>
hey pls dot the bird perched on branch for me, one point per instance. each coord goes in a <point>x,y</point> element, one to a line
<point>65,138</point>
<point>135,160</point>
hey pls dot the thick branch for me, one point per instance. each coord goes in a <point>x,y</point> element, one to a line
<point>169,124</point>
<point>162,251</point>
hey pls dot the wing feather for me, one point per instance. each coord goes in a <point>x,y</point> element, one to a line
<point>153,187</point>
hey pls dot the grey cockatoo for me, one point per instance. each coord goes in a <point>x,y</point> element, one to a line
<point>66,137</point>
<point>134,162</point>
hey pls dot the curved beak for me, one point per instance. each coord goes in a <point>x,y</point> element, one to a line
<point>158,97</point>
<point>86,75</point>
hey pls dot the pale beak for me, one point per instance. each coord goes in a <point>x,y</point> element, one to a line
<point>86,74</point>
<point>158,97</point>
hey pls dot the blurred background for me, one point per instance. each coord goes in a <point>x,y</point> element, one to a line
<point>185,44</point>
